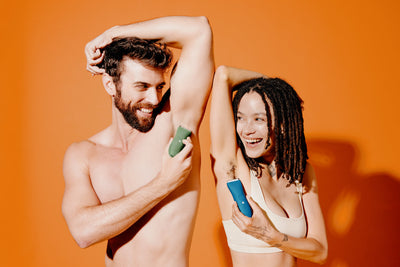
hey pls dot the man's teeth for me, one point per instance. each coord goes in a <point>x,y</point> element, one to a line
<point>146,110</point>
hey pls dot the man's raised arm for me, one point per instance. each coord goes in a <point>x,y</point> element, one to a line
<point>192,78</point>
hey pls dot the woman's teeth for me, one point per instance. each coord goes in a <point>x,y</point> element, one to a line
<point>253,141</point>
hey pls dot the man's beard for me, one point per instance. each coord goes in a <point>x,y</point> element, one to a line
<point>130,114</point>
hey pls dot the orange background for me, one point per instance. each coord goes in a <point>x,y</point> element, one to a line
<point>341,56</point>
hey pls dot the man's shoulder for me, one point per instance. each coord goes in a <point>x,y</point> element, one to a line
<point>79,154</point>
<point>76,159</point>
<point>79,150</point>
<point>82,145</point>
<point>83,148</point>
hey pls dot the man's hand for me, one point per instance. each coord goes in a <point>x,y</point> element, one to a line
<point>176,169</point>
<point>94,56</point>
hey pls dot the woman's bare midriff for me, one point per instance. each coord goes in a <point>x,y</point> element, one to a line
<point>278,259</point>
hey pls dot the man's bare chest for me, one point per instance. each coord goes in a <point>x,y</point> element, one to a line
<point>115,173</point>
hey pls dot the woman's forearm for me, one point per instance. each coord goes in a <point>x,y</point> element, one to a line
<point>236,75</point>
<point>303,248</point>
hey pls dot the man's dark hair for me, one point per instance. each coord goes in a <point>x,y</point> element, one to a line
<point>290,144</point>
<point>148,52</point>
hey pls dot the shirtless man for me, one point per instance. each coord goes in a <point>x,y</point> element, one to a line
<point>121,185</point>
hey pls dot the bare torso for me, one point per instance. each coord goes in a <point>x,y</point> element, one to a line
<point>162,236</point>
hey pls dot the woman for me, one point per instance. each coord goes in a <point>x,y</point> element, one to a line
<point>258,137</point>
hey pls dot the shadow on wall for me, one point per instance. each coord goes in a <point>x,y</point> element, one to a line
<point>361,211</point>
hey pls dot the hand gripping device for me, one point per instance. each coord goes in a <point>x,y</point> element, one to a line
<point>176,145</point>
<point>236,188</point>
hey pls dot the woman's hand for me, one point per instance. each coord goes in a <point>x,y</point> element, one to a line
<point>258,226</point>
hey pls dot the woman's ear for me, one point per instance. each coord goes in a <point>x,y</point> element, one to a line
<point>108,84</point>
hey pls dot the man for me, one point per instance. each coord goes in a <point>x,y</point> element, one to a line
<point>121,185</point>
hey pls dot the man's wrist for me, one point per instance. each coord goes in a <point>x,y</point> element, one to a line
<point>113,32</point>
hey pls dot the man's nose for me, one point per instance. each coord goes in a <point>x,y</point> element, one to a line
<point>153,96</point>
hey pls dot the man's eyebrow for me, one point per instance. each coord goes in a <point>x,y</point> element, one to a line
<point>141,83</point>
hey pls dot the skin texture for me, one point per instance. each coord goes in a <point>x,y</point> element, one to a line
<point>252,126</point>
<point>281,198</point>
<point>120,184</point>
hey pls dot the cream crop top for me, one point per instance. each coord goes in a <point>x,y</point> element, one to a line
<point>242,242</point>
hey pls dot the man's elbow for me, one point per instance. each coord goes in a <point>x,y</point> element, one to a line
<point>204,23</point>
<point>204,28</point>
<point>82,238</point>
<point>82,235</point>
<point>82,243</point>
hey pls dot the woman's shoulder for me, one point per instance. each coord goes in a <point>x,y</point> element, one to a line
<point>310,179</point>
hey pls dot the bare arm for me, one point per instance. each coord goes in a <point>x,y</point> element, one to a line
<point>191,82</point>
<point>224,149</point>
<point>222,124</point>
<point>91,221</point>
<point>314,247</point>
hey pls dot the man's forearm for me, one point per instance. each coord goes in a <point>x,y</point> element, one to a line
<point>175,30</point>
<point>94,224</point>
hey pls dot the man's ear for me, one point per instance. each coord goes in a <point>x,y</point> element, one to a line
<point>108,84</point>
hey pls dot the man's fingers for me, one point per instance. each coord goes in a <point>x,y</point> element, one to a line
<point>94,69</point>
<point>96,60</point>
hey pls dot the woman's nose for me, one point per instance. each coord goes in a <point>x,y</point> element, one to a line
<point>249,127</point>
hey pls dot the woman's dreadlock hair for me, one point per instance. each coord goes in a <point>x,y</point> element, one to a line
<point>290,144</point>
